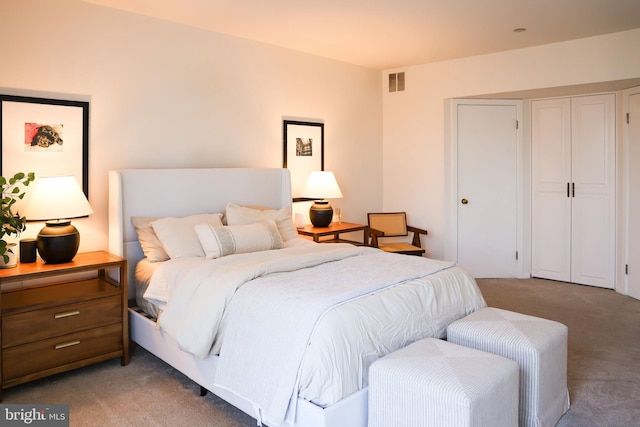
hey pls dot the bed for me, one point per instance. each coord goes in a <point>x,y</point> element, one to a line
<point>278,326</point>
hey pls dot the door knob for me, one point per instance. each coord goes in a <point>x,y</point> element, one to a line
<point>464,201</point>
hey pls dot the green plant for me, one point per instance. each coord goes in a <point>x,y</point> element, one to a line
<point>10,223</point>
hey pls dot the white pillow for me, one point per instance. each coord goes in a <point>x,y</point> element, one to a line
<point>219,241</point>
<point>238,215</point>
<point>179,238</point>
<point>151,245</point>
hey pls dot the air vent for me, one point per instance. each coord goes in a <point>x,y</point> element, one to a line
<point>396,82</point>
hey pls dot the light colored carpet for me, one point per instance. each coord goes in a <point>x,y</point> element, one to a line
<point>147,392</point>
<point>604,345</point>
<point>603,377</point>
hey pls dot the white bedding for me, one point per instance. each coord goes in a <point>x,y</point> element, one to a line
<point>399,316</point>
<point>260,359</point>
<point>194,292</point>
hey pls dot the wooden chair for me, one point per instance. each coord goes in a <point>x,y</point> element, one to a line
<point>394,224</point>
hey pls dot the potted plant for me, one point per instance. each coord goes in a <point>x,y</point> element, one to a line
<point>11,223</point>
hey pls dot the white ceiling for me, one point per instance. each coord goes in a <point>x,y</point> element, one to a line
<point>384,34</point>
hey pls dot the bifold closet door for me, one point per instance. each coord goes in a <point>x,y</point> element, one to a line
<point>551,206</point>
<point>593,200</point>
<point>573,206</point>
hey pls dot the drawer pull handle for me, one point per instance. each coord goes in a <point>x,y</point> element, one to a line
<point>67,344</point>
<point>67,314</point>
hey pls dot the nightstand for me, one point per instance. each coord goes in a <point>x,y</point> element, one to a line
<point>75,316</point>
<point>334,230</point>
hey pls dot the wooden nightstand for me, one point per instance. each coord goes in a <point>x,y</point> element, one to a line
<point>67,323</point>
<point>335,230</point>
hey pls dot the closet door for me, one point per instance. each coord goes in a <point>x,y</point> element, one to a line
<point>487,179</point>
<point>551,207</point>
<point>593,202</point>
<point>573,205</point>
<point>633,193</point>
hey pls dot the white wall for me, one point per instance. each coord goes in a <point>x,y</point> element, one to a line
<point>165,95</point>
<point>414,165</point>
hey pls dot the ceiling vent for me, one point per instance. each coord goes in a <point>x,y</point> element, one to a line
<point>396,82</point>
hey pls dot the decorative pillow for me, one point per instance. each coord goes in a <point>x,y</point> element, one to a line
<point>238,215</point>
<point>178,236</point>
<point>219,241</point>
<point>151,245</point>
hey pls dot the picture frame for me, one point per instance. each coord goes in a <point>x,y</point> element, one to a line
<point>303,153</point>
<point>49,137</point>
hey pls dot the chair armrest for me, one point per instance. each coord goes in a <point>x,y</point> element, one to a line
<point>416,230</point>
<point>374,234</point>
<point>416,235</point>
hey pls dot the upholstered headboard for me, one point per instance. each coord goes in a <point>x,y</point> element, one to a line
<point>182,192</point>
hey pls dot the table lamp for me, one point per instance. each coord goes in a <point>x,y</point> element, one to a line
<point>56,200</point>
<point>321,185</point>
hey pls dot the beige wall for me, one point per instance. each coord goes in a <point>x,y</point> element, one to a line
<point>414,148</point>
<point>165,95</point>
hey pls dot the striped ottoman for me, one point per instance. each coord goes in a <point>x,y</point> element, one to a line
<point>435,383</point>
<point>539,346</point>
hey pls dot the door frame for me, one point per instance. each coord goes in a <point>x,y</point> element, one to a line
<point>523,184</point>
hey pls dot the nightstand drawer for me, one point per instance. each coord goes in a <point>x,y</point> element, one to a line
<point>37,325</point>
<point>51,353</point>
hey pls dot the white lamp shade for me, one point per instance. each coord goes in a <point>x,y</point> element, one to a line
<point>56,197</point>
<point>322,185</point>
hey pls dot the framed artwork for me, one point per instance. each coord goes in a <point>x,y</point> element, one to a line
<point>303,153</point>
<point>49,137</point>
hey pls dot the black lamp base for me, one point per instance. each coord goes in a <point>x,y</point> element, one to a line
<point>58,242</point>
<point>321,213</point>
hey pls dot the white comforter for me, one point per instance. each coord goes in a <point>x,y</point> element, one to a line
<point>278,334</point>
<point>194,292</point>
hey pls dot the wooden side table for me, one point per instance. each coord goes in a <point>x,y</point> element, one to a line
<point>334,230</point>
<point>67,322</point>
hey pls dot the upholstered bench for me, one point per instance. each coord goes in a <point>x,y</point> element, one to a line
<point>539,346</point>
<point>435,383</point>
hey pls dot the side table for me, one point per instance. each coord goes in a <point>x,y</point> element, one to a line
<point>334,230</point>
<point>67,322</point>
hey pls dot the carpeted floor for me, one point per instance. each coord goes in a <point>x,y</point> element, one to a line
<point>604,345</point>
<point>147,392</point>
<point>603,368</point>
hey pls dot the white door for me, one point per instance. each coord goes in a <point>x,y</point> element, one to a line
<point>633,192</point>
<point>573,198</point>
<point>593,184</point>
<point>487,140</point>
<point>551,170</point>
